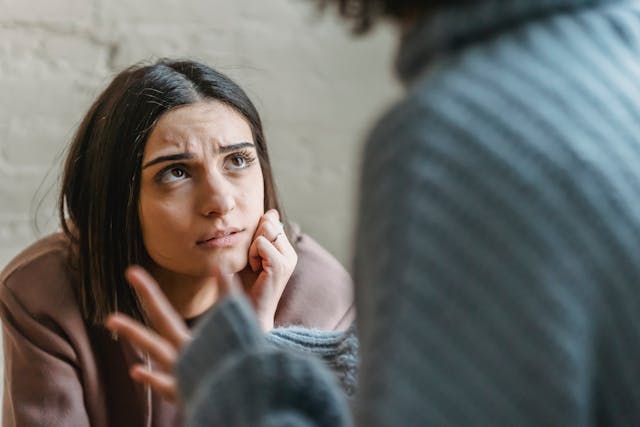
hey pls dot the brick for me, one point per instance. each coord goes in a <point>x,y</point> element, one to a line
<point>35,141</point>
<point>21,191</point>
<point>55,95</point>
<point>27,52</point>
<point>149,42</point>
<point>72,13</point>
<point>221,14</point>
<point>16,233</point>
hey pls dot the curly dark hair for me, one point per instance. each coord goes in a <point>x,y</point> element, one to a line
<point>365,13</point>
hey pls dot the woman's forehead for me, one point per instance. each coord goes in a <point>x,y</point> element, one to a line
<point>202,126</point>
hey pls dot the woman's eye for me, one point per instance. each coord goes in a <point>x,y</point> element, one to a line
<point>172,175</point>
<point>236,162</point>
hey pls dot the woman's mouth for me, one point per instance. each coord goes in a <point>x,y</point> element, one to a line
<point>221,239</point>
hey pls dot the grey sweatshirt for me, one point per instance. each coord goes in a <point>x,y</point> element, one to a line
<point>496,271</point>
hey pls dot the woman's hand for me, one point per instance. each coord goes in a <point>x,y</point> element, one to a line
<point>272,256</point>
<point>164,344</point>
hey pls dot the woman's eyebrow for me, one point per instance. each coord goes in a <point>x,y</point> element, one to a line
<point>234,147</point>
<point>170,157</point>
<point>182,156</point>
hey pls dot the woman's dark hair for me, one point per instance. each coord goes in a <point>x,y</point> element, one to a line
<point>98,204</point>
<point>366,13</point>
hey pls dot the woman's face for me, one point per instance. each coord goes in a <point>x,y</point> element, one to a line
<point>201,193</point>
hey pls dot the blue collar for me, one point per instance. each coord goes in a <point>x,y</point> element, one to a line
<point>452,28</point>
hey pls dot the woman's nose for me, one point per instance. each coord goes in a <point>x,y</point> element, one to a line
<point>217,196</point>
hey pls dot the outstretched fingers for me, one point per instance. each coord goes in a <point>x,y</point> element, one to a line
<point>162,383</point>
<point>163,352</point>
<point>161,314</point>
<point>162,344</point>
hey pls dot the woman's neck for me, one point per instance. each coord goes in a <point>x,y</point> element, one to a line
<point>190,296</point>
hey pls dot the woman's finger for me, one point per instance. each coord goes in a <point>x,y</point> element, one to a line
<point>254,258</point>
<point>275,234</point>
<point>283,245</point>
<point>158,309</point>
<point>269,225</point>
<point>162,383</point>
<point>158,348</point>
<point>267,290</point>
<point>270,256</point>
<point>281,242</point>
<point>266,227</point>
<point>272,215</point>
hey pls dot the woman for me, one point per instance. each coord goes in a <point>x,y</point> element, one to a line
<point>169,169</point>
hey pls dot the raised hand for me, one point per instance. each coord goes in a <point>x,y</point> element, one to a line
<point>169,335</point>
<point>163,343</point>
<point>272,256</point>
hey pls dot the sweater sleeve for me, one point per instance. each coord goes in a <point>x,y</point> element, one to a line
<point>338,350</point>
<point>41,380</point>
<point>230,375</point>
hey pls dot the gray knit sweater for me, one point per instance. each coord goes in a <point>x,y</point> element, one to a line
<point>497,243</point>
<point>231,375</point>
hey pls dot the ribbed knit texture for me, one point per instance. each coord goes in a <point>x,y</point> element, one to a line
<point>338,350</point>
<point>497,271</point>
<point>497,254</point>
<point>278,393</point>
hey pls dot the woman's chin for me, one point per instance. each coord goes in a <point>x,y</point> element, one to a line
<point>228,263</point>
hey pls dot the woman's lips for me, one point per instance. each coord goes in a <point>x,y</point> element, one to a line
<point>223,241</point>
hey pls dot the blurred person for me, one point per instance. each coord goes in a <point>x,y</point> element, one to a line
<point>169,170</point>
<point>495,269</point>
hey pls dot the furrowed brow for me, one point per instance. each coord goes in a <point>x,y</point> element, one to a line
<point>169,158</point>
<point>234,147</point>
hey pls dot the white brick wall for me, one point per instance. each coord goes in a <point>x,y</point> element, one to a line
<point>316,89</point>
